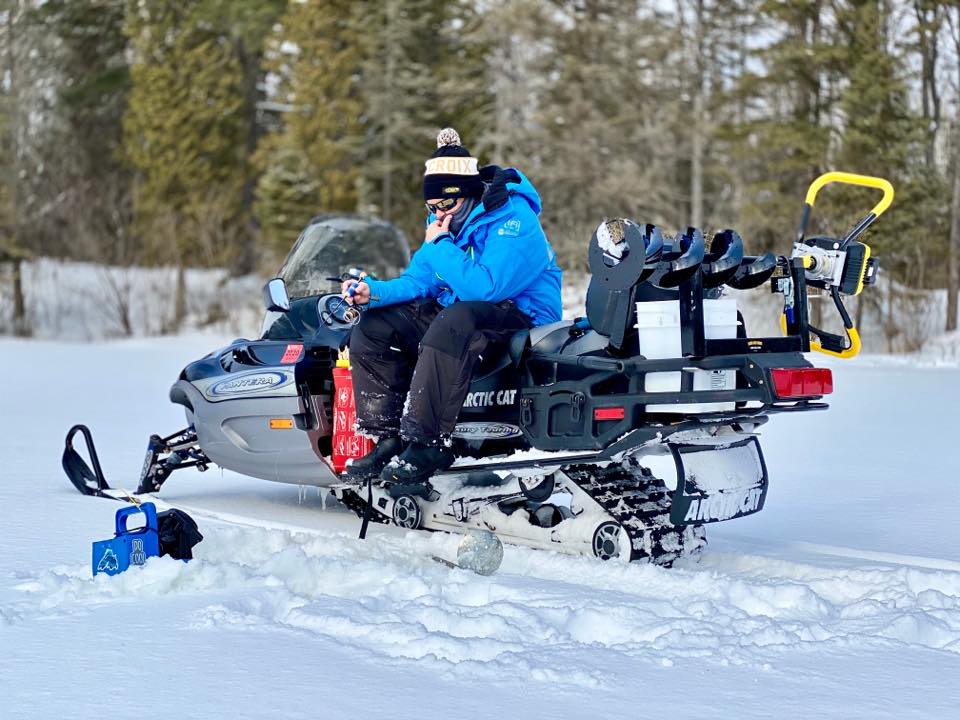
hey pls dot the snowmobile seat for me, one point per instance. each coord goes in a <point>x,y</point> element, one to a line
<point>538,339</point>
<point>496,359</point>
<point>547,339</point>
<point>564,336</point>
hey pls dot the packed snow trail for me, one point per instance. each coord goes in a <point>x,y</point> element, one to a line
<point>842,596</point>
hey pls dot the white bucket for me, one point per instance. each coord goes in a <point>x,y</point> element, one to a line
<point>658,330</point>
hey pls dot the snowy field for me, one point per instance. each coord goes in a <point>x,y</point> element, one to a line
<point>840,599</point>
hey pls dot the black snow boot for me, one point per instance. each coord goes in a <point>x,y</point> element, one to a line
<point>370,465</point>
<point>410,473</point>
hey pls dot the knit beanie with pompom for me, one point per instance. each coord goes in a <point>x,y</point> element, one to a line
<point>451,172</point>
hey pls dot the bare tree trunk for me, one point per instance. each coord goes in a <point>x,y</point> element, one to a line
<point>816,309</point>
<point>889,325</point>
<point>811,109</point>
<point>246,259</point>
<point>387,179</point>
<point>929,21</point>
<point>21,327</point>
<point>697,144</point>
<point>180,301</point>
<point>953,247</point>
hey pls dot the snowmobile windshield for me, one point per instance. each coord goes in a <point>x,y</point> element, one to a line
<point>331,244</point>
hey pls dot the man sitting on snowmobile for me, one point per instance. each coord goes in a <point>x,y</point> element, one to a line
<point>485,270</point>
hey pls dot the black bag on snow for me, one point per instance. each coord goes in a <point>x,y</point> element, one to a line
<point>178,534</point>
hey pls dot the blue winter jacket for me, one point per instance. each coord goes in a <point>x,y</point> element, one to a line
<point>500,253</point>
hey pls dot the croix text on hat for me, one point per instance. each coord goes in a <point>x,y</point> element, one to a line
<point>451,166</point>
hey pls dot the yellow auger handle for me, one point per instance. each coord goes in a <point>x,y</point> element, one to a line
<point>847,179</point>
<point>853,179</point>
<point>853,335</point>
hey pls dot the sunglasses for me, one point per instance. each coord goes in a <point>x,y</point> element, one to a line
<point>442,205</point>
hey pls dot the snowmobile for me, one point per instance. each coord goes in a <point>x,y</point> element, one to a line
<point>560,429</point>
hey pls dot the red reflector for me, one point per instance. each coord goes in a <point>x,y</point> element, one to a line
<point>609,413</point>
<point>292,353</point>
<point>802,382</point>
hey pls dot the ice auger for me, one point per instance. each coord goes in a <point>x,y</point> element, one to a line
<point>842,267</point>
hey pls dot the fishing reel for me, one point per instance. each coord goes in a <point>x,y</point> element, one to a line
<point>335,309</point>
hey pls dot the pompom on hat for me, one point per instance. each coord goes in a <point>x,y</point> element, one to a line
<point>451,172</point>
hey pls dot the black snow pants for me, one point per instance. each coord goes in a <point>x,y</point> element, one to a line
<point>412,363</point>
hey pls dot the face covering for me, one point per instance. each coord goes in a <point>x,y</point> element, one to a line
<point>460,216</point>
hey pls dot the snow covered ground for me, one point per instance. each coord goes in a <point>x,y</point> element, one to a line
<point>841,598</point>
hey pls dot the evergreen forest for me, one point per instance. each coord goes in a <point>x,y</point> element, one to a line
<point>205,133</point>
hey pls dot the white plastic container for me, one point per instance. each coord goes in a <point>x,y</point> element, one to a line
<point>658,330</point>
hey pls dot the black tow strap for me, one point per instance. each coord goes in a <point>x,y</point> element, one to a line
<point>366,510</point>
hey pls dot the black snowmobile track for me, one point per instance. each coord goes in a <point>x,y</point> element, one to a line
<point>640,503</point>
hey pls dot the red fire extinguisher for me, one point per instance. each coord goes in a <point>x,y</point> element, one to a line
<point>347,444</point>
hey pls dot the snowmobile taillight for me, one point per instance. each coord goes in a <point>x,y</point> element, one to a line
<point>609,413</point>
<point>791,383</point>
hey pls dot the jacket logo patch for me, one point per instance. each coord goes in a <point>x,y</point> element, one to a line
<point>452,189</point>
<point>510,227</point>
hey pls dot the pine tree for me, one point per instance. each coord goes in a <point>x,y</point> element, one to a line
<point>245,25</point>
<point>423,70</point>
<point>368,87</point>
<point>184,132</point>
<point>783,142</point>
<point>40,138</point>
<point>310,164</point>
<point>953,248</point>
<point>709,54</point>
<point>511,35</point>
<point>882,136</point>
<point>12,249</point>
<point>90,183</point>
<point>8,160</point>
<point>287,194</point>
<point>602,138</point>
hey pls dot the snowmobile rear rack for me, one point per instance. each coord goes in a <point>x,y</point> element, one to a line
<point>589,412</point>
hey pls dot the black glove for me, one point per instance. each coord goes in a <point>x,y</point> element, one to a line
<point>497,194</point>
<point>178,534</point>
